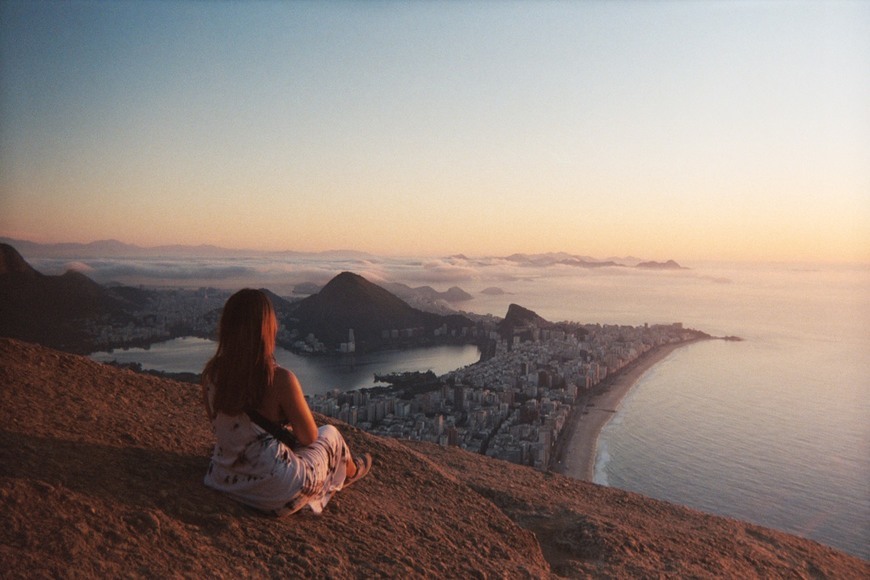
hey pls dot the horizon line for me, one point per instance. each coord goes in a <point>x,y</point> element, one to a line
<point>261,251</point>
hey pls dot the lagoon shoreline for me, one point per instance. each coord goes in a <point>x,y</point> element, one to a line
<point>577,449</point>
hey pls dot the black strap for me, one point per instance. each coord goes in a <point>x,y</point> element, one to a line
<point>283,435</point>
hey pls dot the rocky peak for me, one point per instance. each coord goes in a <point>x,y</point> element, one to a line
<point>349,301</point>
<point>11,262</point>
<point>669,265</point>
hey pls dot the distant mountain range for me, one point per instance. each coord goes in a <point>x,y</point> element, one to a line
<point>452,294</point>
<point>669,265</point>
<point>117,249</point>
<point>53,310</point>
<point>428,299</point>
<point>564,259</point>
<point>550,259</point>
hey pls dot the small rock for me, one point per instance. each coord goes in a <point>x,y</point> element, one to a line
<point>143,522</point>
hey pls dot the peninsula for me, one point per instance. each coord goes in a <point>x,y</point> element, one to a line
<point>528,402</point>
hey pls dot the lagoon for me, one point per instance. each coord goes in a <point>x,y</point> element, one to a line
<point>318,374</point>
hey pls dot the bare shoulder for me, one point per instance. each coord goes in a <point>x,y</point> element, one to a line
<point>284,378</point>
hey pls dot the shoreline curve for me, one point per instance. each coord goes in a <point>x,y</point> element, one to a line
<point>577,453</point>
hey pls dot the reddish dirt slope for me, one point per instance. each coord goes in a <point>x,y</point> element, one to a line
<point>101,475</point>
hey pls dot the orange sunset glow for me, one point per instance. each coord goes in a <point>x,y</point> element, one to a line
<point>722,131</point>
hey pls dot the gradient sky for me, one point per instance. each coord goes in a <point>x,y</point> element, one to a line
<point>684,130</point>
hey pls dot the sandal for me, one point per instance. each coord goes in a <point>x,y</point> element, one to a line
<point>363,465</point>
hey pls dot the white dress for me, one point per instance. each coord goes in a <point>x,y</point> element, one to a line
<point>252,467</point>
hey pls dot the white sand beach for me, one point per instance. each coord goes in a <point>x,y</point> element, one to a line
<point>579,450</point>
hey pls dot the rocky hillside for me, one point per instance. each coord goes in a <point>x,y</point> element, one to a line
<point>518,317</point>
<point>101,475</point>
<point>50,309</point>
<point>349,301</point>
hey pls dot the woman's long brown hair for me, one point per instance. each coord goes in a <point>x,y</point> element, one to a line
<point>243,365</point>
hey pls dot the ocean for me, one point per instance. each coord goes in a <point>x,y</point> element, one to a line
<point>772,430</point>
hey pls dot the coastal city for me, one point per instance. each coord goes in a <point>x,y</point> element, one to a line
<point>511,406</point>
<point>532,379</point>
<point>164,314</point>
<point>435,289</point>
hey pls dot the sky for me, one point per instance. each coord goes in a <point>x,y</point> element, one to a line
<point>678,130</point>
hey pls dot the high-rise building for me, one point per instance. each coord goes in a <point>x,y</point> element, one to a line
<point>459,398</point>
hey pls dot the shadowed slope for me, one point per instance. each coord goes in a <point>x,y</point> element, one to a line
<point>50,309</point>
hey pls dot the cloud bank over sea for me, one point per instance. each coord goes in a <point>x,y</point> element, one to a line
<point>558,286</point>
<point>284,272</point>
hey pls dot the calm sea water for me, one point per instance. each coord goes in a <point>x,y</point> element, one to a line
<point>318,375</point>
<point>773,430</point>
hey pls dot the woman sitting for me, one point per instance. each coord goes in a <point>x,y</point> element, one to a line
<point>242,382</point>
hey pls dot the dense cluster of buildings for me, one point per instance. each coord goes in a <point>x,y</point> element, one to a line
<point>513,405</point>
<point>166,314</point>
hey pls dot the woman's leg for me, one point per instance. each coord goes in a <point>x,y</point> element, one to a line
<point>332,438</point>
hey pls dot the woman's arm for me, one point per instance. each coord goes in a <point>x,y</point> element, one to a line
<point>292,403</point>
<point>205,402</point>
